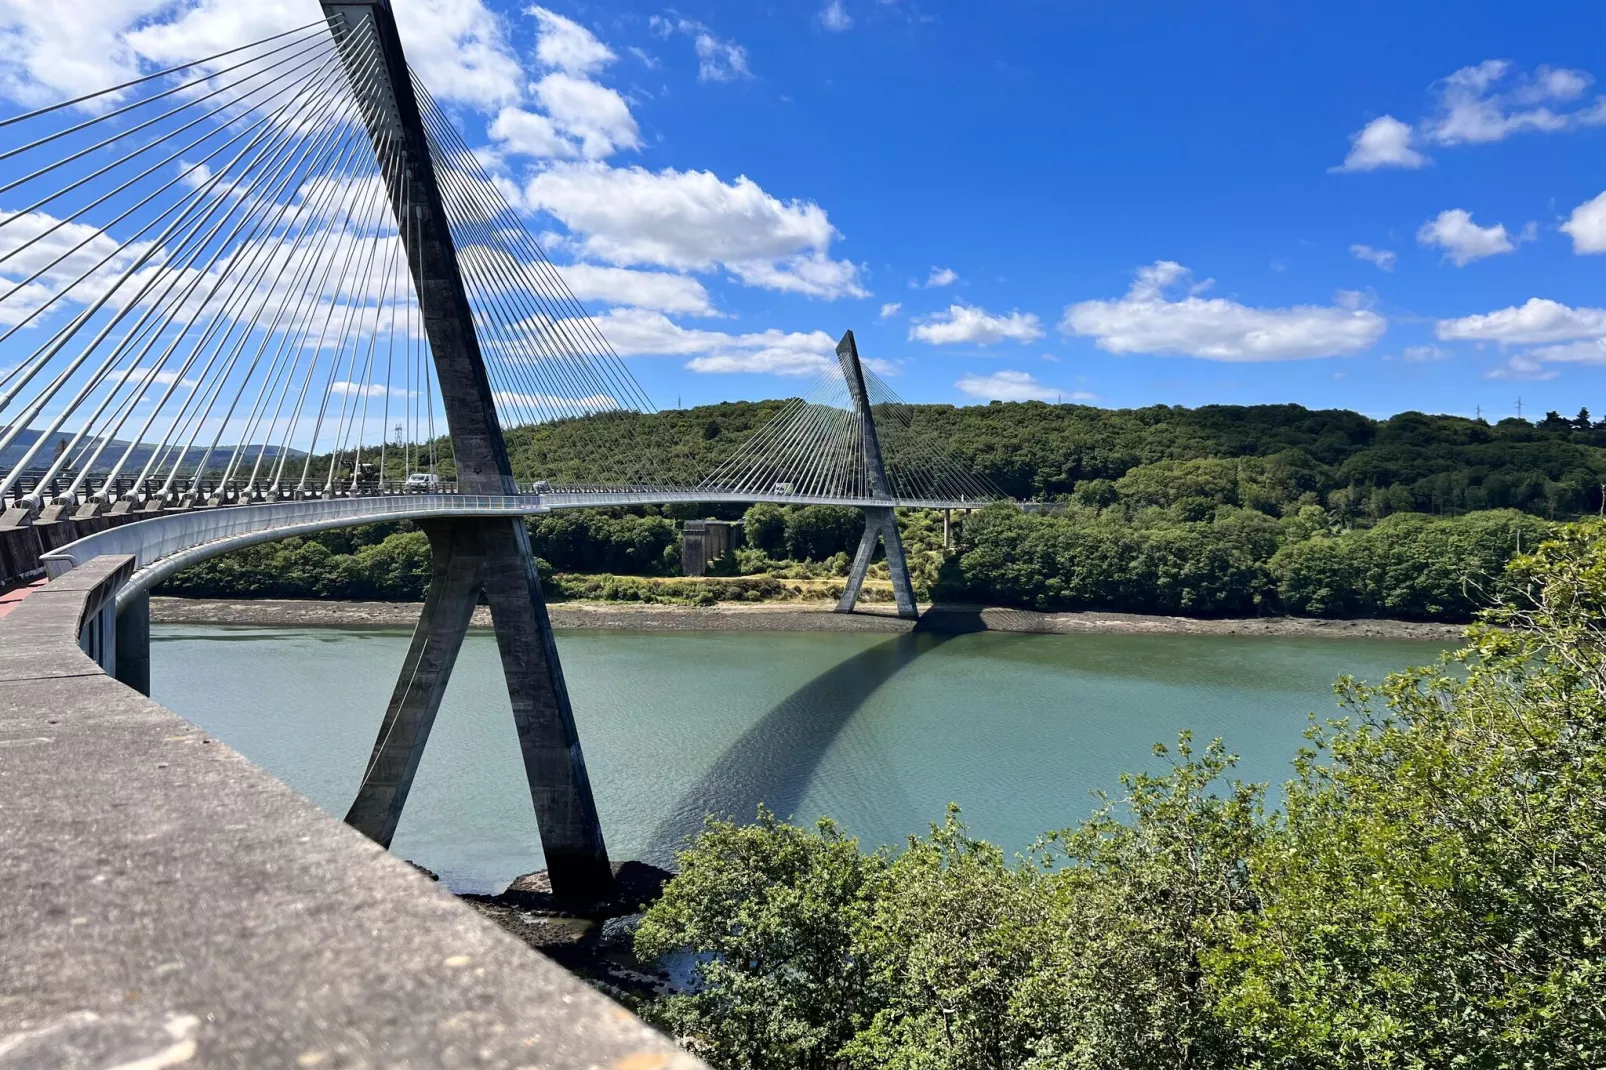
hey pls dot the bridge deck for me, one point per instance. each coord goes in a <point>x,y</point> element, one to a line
<point>170,542</point>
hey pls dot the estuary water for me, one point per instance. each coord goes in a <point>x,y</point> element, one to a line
<point>880,732</point>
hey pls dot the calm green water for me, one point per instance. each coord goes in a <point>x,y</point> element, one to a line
<point>878,731</point>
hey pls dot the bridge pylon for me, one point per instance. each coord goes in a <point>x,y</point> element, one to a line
<point>471,556</point>
<point>880,522</point>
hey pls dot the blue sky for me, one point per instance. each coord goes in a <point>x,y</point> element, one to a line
<point>1373,206</point>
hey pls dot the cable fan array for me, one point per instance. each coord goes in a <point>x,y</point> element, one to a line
<point>204,291</point>
<point>814,448</point>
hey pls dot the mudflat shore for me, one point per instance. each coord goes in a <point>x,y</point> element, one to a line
<point>788,617</point>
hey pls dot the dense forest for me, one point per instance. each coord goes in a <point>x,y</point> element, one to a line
<point>1427,895</point>
<point>1220,510</point>
<point>1262,456</point>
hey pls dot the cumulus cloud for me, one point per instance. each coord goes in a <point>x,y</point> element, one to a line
<point>1012,386</point>
<point>692,221</point>
<point>594,115</point>
<point>890,309</point>
<point>1383,258</point>
<point>1462,240</point>
<point>528,134</point>
<point>969,325</point>
<point>1587,226</point>
<point>1383,142</point>
<point>1471,110</point>
<point>458,47</point>
<point>1478,104</point>
<point>1147,320</point>
<point>718,60</point>
<point>941,277</point>
<point>658,290</point>
<point>1537,321</point>
<point>638,332</point>
<point>579,116</point>
<point>565,45</point>
<point>1534,363</point>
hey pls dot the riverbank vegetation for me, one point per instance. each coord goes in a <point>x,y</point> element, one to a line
<point>1232,561</point>
<point>1215,511</point>
<point>1428,894</point>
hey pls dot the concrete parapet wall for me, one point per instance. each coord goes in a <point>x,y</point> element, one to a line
<point>163,899</point>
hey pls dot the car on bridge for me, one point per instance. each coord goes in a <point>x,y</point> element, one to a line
<point>423,482</point>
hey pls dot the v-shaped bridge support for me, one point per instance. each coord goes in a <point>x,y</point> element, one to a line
<point>471,556</point>
<point>880,522</point>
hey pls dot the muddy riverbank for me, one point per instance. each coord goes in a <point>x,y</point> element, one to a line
<point>793,616</point>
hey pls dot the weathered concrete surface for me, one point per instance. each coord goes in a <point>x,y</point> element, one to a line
<point>161,898</point>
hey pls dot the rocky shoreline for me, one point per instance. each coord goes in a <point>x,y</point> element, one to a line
<point>791,617</point>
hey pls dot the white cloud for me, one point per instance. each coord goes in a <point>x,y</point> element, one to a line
<point>1587,226</point>
<point>1424,354</point>
<point>691,221</point>
<point>593,114</point>
<point>637,332</point>
<point>45,257</point>
<point>718,60</point>
<point>657,290</point>
<point>1147,321</point>
<point>530,134</point>
<point>1383,142</point>
<point>1469,111</point>
<point>1383,258</point>
<point>343,388</point>
<point>1011,386</point>
<point>890,309</point>
<point>579,116</point>
<point>1538,320</point>
<point>565,45</point>
<point>457,46</point>
<point>941,277</point>
<point>966,324</point>
<point>1463,240</point>
<point>834,17</point>
<point>1532,363</point>
<point>1478,104</point>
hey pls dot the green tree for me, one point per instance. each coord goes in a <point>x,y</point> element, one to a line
<point>770,915</point>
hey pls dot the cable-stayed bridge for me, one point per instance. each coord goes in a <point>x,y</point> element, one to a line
<point>236,293</point>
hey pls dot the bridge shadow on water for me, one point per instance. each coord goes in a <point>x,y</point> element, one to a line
<point>774,761</point>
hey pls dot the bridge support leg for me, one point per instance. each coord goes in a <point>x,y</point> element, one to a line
<point>134,645</point>
<point>491,555</point>
<point>881,525</point>
<point>454,589</point>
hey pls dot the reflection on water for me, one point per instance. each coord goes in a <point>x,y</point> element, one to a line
<point>880,732</point>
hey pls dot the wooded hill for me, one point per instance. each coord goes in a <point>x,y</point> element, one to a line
<point>1356,467</point>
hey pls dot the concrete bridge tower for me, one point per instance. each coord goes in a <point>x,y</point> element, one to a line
<point>880,522</point>
<point>471,556</point>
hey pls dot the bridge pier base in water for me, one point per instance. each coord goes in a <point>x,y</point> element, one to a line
<point>491,555</point>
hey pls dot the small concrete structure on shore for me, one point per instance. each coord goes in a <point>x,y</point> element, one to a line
<point>702,542</point>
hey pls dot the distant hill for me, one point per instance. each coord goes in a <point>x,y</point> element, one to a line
<point>25,439</point>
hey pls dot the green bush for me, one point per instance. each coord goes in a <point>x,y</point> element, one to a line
<point>1429,896</point>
